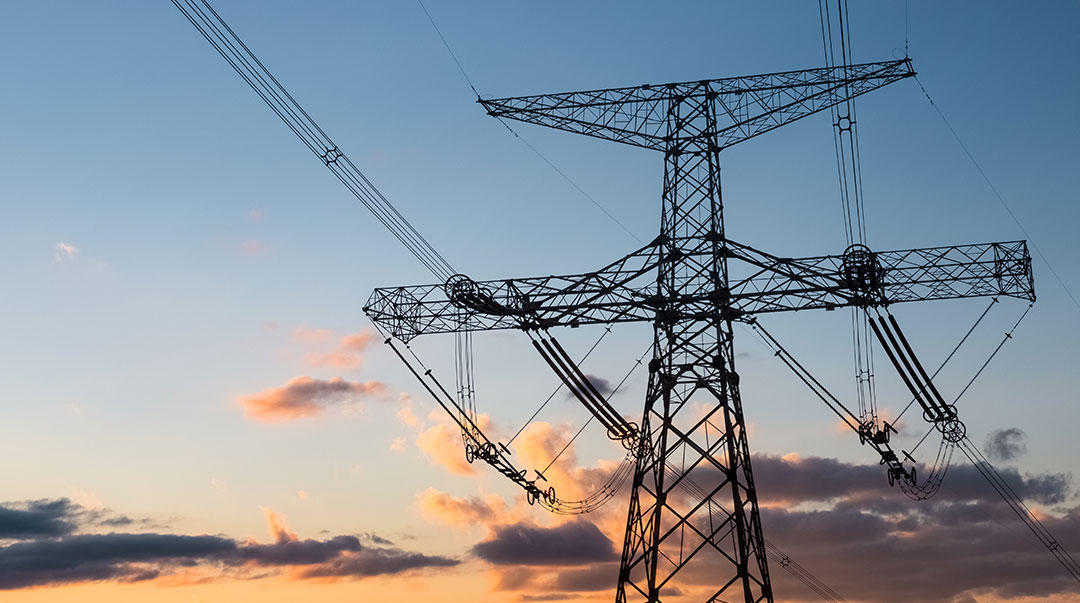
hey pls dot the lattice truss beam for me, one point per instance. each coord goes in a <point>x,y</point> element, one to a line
<point>744,106</point>
<point>624,291</point>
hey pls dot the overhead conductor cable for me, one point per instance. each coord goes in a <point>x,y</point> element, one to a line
<point>903,367</point>
<point>239,56</point>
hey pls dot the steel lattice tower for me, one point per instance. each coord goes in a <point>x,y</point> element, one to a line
<point>682,284</point>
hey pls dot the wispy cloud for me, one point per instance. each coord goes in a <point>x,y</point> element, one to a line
<point>462,512</point>
<point>65,252</point>
<point>347,355</point>
<point>253,248</point>
<point>306,397</point>
<point>1005,444</point>
<point>310,336</point>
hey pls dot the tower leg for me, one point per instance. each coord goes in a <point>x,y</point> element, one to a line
<point>693,522</point>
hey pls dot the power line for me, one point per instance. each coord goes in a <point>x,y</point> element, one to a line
<point>448,49</point>
<point>572,183</point>
<point>218,33</point>
<point>551,164</point>
<point>997,194</point>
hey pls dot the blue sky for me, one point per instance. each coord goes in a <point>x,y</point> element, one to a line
<point>206,234</point>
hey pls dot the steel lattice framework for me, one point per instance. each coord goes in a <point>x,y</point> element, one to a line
<point>691,283</point>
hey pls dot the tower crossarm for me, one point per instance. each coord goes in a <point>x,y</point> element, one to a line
<point>761,283</point>
<point>861,277</point>
<point>612,294</point>
<point>744,107</point>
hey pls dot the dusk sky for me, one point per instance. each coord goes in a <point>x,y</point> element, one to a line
<point>195,407</point>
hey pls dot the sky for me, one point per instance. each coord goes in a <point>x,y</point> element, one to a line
<point>196,408</point>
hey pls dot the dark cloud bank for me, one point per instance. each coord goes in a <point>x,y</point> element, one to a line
<point>567,544</point>
<point>843,523</point>
<point>870,542</point>
<point>48,545</point>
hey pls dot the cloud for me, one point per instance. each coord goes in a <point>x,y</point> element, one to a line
<point>791,480</point>
<point>602,385</point>
<point>36,519</point>
<point>405,414</point>
<point>549,597</point>
<point>398,444</point>
<point>97,557</point>
<point>375,562</point>
<point>347,355</point>
<point>253,248</point>
<point>570,543</point>
<point>310,336</point>
<point>442,443</point>
<point>537,560</point>
<point>596,577</point>
<point>64,252</point>
<point>53,551</point>
<point>461,512</point>
<point>47,518</point>
<point>276,524</point>
<point>86,499</point>
<point>922,554</point>
<point>838,519</point>
<point>306,397</point>
<point>1005,444</point>
<point>256,214</point>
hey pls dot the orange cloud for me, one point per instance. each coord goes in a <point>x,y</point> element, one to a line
<point>305,397</point>
<point>278,530</point>
<point>462,512</point>
<point>406,414</point>
<point>347,355</point>
<point>443,444</point>
<point>310,336</point>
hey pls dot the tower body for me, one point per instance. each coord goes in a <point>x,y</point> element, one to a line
<point>693,421</point>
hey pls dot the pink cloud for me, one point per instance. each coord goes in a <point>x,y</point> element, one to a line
<point>65,252</point>
<point>462,512</point>
<point>306,397</point>
<point>348,355</point>
<point>254,248</point>
<point>442,443</point>
<point>309,336</point>
<point>278,529</point>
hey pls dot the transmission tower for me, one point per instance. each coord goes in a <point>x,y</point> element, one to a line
<point>703,283</point>
<point>692,283</point>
